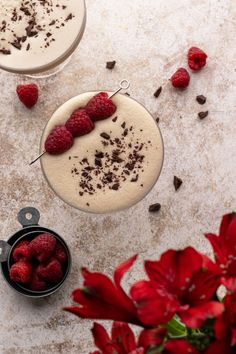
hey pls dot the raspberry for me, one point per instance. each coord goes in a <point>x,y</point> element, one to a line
<point>42,247</point>
<point>79,123</point>
<point>196,58</point>
<point>59,140</point>
<point>100,107</point>
<point>20,272</point>
<point>60,253</point>
<point>36,283</point>
<point>21,251</point>
<point>52,272</point>
<point>181,78</point>
<point>28,94</point>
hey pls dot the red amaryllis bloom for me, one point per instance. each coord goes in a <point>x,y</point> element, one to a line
<point>225,328</point>
<point>179,346</point>
<point>182,282</point>
<point>122,340</point>
<point>102,299</point>
<point>224,246</point>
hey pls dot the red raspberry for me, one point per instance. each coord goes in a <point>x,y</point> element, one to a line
<point>181,78</point>
<point>59,140</point>
<point>100,107</point>
<point>28,94</point>
<point>20,272</point>
<point>43,246</point>
<point>79,123</point>
<point>36,283</point>
<point>196,58</point>
<point>60,253</point>
<point>21,251</point>
<point>52,272</point>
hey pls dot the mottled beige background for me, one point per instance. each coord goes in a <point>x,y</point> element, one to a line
<point>146,38</point>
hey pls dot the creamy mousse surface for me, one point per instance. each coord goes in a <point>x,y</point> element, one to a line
<point>36,35</point>
<point>111,168</point>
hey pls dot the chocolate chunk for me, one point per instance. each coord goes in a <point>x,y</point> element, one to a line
<point>105,136</point>
<point>99,154</point>
<point>202,115</point>
<point>52,23</point>
<point>177,182</point>
<point>157,92</point>
<point>154,207</point>
<point>48,34</point>
<point>98,162</point>
<point>125,132</point>
<point>115,186</point>
<point>69,17</point>
<point>157,119</point>
<point>201,99</point>
<point>123,125</point>
<point>110,64</point>
<point>114,119</point>
<point>28,46</point>
<point>17,45</point>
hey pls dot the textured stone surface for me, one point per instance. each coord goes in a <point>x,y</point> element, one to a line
<point>146,38</point>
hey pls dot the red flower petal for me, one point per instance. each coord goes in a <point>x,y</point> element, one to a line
<point>225,223</point>
<point>138,351</point>
<point>179,346</point>
<point>196,316</point>
<point>102,339</point>
<point>151,337</point>
<point>174,270</point>
<point>220,347</point>
<point>122,269</point>
<point>123,336</point>
<point>153,309</point>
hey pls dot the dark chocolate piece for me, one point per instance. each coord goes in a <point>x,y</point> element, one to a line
<point>154,207</point>
<point>177,182</point>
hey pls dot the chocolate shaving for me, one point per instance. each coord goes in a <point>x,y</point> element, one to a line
<point>201,99</point>
<point>153,208</point>
<point>202,115</point>
<point>123,125</point>
<point>98,162</point>
<point>105,136</point>
<point>135,178</point>
<point>177,182</point>
<point>157,92</point>
<point>157,119</point>
<point>110,64</point>
<point>114,119</point>
<point>115,186</point>
<point>5,51</point>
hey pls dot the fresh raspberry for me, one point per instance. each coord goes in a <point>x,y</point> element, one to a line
<point>36,283</point>
<point>42,247</point>
<point>196,58</point>
<point>60,253</point>
<point>20,272</point>
<point>28,94</point>
<point>180,79</point>
<point>59,140</point>
<point>79,123</point>
<point>21,251</point>
<point>52,272</point>
<point>100,107</point>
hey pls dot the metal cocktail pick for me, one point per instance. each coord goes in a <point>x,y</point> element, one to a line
<point>124,85</point>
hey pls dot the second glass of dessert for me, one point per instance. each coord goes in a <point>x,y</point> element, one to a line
<point>103,154</point>
<point>36,37</point>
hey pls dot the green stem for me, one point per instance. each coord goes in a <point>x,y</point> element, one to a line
<point>176,328</point>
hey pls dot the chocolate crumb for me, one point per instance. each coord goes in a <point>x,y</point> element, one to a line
<point>123,125</point>
<point>28,46</point>
<point>5,51</point>
<point>157,119</point>
<point>105,136</point>
<point>154,207</point>
<point>202,115</point>
<point>87,204</point>
<point>110,64</point>
<point>157,92</point>
<point>135,178</point>
<point>201,99</point>
<point>98,162</point>
<point>115,186</point>
<point>69,17</point>
<point>177,182</point>
<point>114,119</point>
<point>99,154</point>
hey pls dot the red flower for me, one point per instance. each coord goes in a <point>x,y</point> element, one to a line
<point>182,282</point>
<point>122,340</point>
<point>179,346</point>
<point>102,299</point>
<point>224,247</point>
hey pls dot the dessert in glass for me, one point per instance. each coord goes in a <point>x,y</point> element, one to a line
<point>112,167</point>
<point>36,37</point>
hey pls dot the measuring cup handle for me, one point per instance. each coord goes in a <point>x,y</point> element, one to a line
<point>33,220</point>
<point>4,251</point>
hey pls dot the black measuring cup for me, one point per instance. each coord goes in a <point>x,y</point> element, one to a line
<point>29,217</point>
